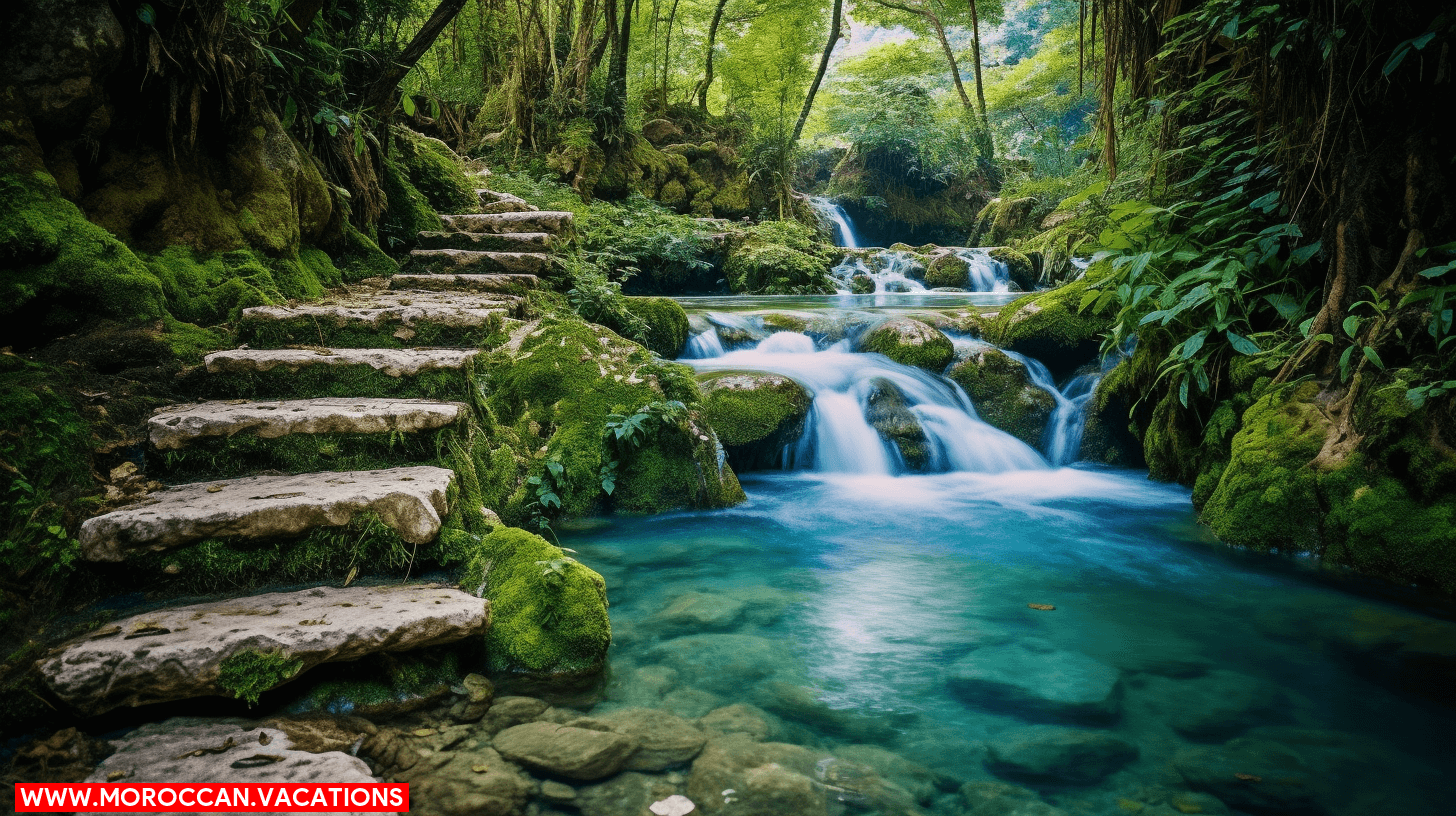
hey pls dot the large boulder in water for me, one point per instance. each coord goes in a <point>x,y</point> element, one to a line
<point>1049,754</point>
<point>910,342</point>
<point>1107,436</point>
<point>1021,270</point>
<point>1051,327</point>
<point>1003,393</point>
<point>890,415</point>
<point>948,270</point>
<point>1036,679</point>
<point>755,414</point>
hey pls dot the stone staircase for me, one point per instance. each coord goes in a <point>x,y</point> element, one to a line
<point>331,413</point>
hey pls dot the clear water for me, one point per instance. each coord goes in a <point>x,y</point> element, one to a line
<point>843,602</point>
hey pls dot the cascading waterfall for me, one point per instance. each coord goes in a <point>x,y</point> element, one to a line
<point>839,437</point>
<point>984,273</point>
<point>843,228</point>
<point>1063,438</point>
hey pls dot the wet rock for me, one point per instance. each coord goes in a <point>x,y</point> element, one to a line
<point>910,342</point>
<point>802,703</point>
<point>221,751</point>
<point>626,793</point>
<point>558,750</point>
<point>922,782</point>
<point>740,718</point>
<point>474,782</point>
<point>755,415</point>
<point>557,793</point>
<point>477,694</point>
<point>1038,679</point>
<point>319,734</point>
<point>506,712</point>
<point>1048,754</point>
<point>890,415</point>
<point>189,651</point>
<point>662,132</point>
<point>1214,707</point>
<point>1002,391</point>
<point>65,756</point>
<point>690,703</point>
<point>947,271</point>
<point>665,739</point>
<point>861,787</point>
<point>698,611</point>
<point>1001,799</point>
<point>734,775</point>
<point>722,664</point>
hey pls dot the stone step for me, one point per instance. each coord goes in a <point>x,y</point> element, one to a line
<point>179,426</point>
<point>492,201</point>
<point>472,262</point>
<point>183,652</point>
<point>510,284</point>
<point>382,319</point>
<point>430,373</point>
<point>555,223</point>
<point>488,242</point>
<point>409,500</point>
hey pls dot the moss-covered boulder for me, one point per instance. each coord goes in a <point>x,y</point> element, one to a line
<point>755,414</point>
<point>947,270</point>
<point>1002,391</point>
<point>1107,435</point>
<point>888,412</point>
<point>1001,220</point>
<point>910,342</point>
<point>554,388</point>
<point>1050,327</point>
<point>434,169</point>
<point>666,322</point>
<point>548,611</point>
<point>779,258</point>
<point>1019,266</point>
<point>862,285</point>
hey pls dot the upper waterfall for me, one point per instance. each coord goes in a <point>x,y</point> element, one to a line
<point>843,228</point>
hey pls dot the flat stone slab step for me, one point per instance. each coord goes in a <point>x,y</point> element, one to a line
<point>492,201</point>
<point>177,426</point>
<point>391,362</point>
<point>410,500</point>
<point>488,242</point>
<point>544,221</point>
<point>474,261</point>
<point>180,653</point>
<point>411,318</point>
<point>511,284</point>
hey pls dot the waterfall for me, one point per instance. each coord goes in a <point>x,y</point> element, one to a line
<point>835,214</point>
<point>704,345</point>
<point>838,437</point>
<point>984,273</point>
<point>1062,440</point>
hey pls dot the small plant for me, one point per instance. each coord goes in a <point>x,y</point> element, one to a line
<point>250,673</point>
<point>545,489</point>
<point>630,432</point>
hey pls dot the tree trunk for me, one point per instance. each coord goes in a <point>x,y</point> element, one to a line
<point>708,60</point>
<point>834,34</point>
<point>581,49</point>
<point>955,70</point>
<point>381,97</point>
<point>617,72</point>
<point>976,54</point>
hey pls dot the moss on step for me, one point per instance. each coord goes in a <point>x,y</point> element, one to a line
<point>311,381</point>
<point>308,330</point>
<point>246,453</point>
<point>548,612</point>
<point>250,673</point>
<point>383,685</point>
<point>407,212</point>
<point>667,324</point>
<point>210,288</point>
<point>189,343</point>
<point>681,466</point>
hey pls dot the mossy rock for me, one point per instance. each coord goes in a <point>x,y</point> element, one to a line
<point>779,258</point>
<point>435,171</point>
<point>781,321</point>
<point>910,342</point>
<point>890,415</point>
<point>862,285</point>
<point>548,611</point>
<point>681,467</point>
<point>1004,396</point>
<point>1021,268</point>
<point>667,324</point>
<point>561,384</point>
<point>383,685</point>
<point>947,270</point>
<point>1107,436</point>
<point>306,382</point>
<point>1050,327</point>
<point>407,212</point>
<point>210,288</point>
<point>755,414</point>
<point>1378,525</point>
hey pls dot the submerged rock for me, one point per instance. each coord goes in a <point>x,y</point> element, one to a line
<point>665,739</point>
<point>1215,706</point>
<point>734,775</point>
<point>1004,396</point>
<point>722,664</point>
<point>1049,754</point>
<point>700,611</point>
<point>910,342</point>
<point>560,750</point>
<point>250,645</point>
<point>1001,799</point>
<point>629,792</point>
<point>1039,680</point>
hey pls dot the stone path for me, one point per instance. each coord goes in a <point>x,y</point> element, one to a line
<point>362,363</point>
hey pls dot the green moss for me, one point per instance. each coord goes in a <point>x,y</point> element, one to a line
<point>249,673</point>
<point>306,330</point>
<point>305,382</point>
<point>667,324</point>
<point>57,269</point>
<point>358,257</point>
<point>779,258</point>
<point>1050,327</point>
<point>1004,396</point>
<point>382,684</point>
<point>407,212</point>
<point>748,408</point>
<point>1021,268</point>
<point>434,169</point>
<point>681,467</point>
<point>947,270</point>
<point>890,415</point>
<point>548,612</point>
<point>191,343</point>
<point>566,378</point>
<point>1378,527</point>
<point>1267,496</point>
<point>910,342</point>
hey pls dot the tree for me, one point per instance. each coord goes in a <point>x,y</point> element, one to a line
<point>834,35</point>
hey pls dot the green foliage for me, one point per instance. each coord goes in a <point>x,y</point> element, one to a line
<point>407,212</point>
<point>250,673</point>
<point>779,258</point>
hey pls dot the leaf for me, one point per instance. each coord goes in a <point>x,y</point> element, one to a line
<point>1266,202</point>
<point>1304,253</point>
<point>408,103</point>
<point>1241,344</point>
<point>1230,30</point>
<point>1305,327</point>
<point>1351,325</point>
<point>1287,307</point>
<point>1396,58</point>
<point>146,14</point>
<point>290,112</point>
<point>1192,345</point>
<point>1437,271</point>
<point>1373,357</point>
